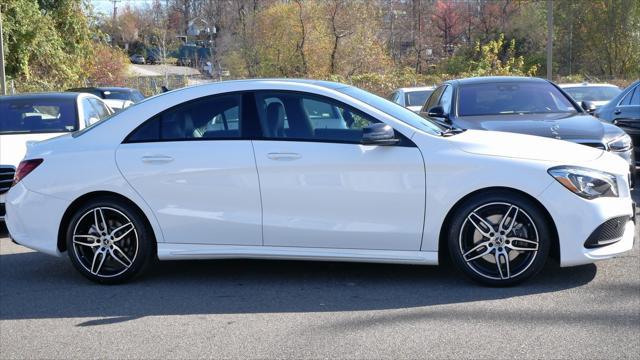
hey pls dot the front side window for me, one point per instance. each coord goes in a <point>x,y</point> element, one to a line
<point>632,98</point>
<point>23,116</point>
<point>215,117</point>
<point>296,116</point>
<point>433,99</point>
<point>512,98</point>
<point>445,99</point>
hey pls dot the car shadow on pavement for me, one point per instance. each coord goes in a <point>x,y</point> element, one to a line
<point>37,286</point>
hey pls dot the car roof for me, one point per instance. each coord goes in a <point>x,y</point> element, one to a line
<point>586,85</point>
<point>48,95</point>
<point>416,88</point>
<point>495,79</point>
<point>104,88</point>
<point>322,83</point>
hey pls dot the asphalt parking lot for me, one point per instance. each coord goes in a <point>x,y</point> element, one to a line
<point>278,309</point>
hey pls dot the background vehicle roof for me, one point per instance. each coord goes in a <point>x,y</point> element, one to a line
<point>416,88</point>
<point>48,95</point>
<point>105,88</point>
<point>586,85</point>
<point>495,79</point>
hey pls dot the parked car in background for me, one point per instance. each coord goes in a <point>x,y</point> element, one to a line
<point>523,105</point>
<point>592,95</point>
<point>316,171</point>
<point>28,118</point>
<point>117,97</point>
<point>137,59</point>
<point>624,111</point>
<point>153,59</point>
<point>412,97</point>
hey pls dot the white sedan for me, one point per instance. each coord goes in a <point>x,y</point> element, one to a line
<point>313,170</point>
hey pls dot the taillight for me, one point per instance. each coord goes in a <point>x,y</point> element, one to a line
<point>25,167</point>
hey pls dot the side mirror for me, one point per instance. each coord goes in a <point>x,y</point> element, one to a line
<point>93,120</point>
<point>588,106</point>
<point>437,112</point>
<point>378,134</point>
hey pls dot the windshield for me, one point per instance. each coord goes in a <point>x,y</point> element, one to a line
<point>593,93</point>
<point>512,98</point>
<point>23,116</point>
<point>417,98</point>
<point>399,112</point>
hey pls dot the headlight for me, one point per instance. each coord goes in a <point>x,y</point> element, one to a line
<point>587,183</point>
<point>622,143</point>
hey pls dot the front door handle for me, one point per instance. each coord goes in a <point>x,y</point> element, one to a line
<point>283,156</point>
<point>155,159</point>
<point>617,112</point>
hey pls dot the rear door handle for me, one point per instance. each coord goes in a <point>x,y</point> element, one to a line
<point>283,156</point>
<point>151,159</point>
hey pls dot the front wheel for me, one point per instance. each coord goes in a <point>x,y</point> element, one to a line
<point>499,239</point>
<point>108,241</point>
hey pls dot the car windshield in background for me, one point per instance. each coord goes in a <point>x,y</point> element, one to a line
<point>388,107</point>
<point>417,98</point>
<point>593,93</point>
<point>512,98</point>
<point>37,116</point>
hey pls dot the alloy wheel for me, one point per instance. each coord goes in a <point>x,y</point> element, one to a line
<point>105,242</point>
<point>499,241</point>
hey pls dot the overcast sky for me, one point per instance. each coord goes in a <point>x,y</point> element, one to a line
<point>106,6</point>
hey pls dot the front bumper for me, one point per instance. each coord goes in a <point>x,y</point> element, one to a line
<point>577,218</point>
<point>47,211</point>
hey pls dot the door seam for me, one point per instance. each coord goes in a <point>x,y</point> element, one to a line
<point>255,161</point>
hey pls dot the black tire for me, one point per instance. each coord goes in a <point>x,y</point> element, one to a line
<point>123,254</point>
<point>521,250</point>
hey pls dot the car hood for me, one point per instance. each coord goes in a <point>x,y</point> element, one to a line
<point>559,126</point>
<point>13,147</point>
<point>519,146</point>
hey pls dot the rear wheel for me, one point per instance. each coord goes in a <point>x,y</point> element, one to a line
<point>108,241</point>
<point>499,239</point>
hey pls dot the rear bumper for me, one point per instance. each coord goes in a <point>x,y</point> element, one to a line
<point>41,235</point>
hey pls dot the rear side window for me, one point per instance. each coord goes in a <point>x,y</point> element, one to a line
<point>215,117</point>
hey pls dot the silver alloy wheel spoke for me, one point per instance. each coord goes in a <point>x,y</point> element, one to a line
<point>95,257</point>
<point>113,255</point>
<point>475,249</point>
<point>113,233</point>
<point>520,248</point>
<point>119,251</point>
<point>478,222</point>
<point>503,255</point>
<point>508,220</point>
<point>90,244</point>
<point>100,229</point>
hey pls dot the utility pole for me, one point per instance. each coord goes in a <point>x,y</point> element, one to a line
<point>550,39</point>
<point>3,80</point>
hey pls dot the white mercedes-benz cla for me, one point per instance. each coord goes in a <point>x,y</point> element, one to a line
<point>313,170</point>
